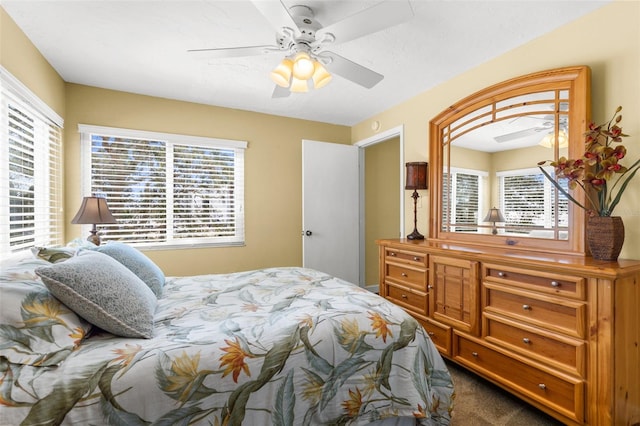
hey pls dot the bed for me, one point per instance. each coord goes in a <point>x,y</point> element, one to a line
<point>277,346</point>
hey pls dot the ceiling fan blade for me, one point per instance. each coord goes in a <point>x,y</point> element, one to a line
<point>350,70</point>
<point>234,52</point>
<point>371,20</point>
<point>276,13</point>
<point>519,134</point>
<point>280,92</point>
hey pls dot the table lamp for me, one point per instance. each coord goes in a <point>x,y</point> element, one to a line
<point>416,179</point>
<point>95,211</point>
<point>494,216</point>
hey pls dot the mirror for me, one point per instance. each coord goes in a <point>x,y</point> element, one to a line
<point>486,187</point>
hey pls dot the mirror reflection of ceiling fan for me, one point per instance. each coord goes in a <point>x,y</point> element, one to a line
<point>543,129</point>
<point>304,41</point>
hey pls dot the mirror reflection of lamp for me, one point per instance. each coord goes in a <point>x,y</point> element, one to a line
<point>416,179</point>
<point>94,211</point>
<point>494,215</point>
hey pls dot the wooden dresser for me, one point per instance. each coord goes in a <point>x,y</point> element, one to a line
<point>561,332</point>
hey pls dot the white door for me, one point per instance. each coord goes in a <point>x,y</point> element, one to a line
<point>331,209</point>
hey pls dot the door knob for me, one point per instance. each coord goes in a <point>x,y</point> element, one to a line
<point>308,233</point>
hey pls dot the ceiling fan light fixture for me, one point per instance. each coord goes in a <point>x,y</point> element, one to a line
<point>303,66</point>
<point>281,75</point>
<point>321,76</point>
<point>298,85</point>
<point>550,140</point>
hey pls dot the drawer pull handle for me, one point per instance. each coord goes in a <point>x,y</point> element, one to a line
<point>416,258</point>
<point>430,333</point>
<point>526,307</point>
<point>429,287</point>
<point>404,296</point>
<point>475,354</point>
<point>403,274</point>
<point>542,386</point>
<point>555,284</point>
<point>502,274</point>
<point>392,253</point>
<point>526,341</point>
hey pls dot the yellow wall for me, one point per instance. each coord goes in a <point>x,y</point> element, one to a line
<point>25,62</point>
<point>607,40</point>
<point>273,170</point>
<point>382,208</point>
<point>273,192</point>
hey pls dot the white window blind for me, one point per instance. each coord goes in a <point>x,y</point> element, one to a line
<point>526,197</point>
<point>466,198</point>
<point>166,189</point>
<point>30,170</point>
<point>465,189</point>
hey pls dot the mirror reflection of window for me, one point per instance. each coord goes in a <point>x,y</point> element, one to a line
<point>467,189</point>
<point>510,132</point>
<point>526,199</point>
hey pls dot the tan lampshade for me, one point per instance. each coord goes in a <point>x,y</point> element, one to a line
<point>321,76</point>
<point>299,86</point>
<point>298,73</point>
<point>494,215</point>
<point>94,210</point>
<point>416,175</point>
<point>281,75</point>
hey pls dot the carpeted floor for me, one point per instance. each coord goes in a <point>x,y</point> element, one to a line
<point>479,402</point>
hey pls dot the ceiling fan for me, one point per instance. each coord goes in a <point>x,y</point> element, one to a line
<point>545,127</point>
<point>304,41</point>
<point>548,123</point>
<point>519,134</point>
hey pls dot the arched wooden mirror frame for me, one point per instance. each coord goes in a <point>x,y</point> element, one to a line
<point>572,82</point>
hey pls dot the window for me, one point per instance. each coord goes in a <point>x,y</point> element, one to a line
<point>166,189</point>
<point>466,189</point>
<point>30,170</point>
<point>526,198</point>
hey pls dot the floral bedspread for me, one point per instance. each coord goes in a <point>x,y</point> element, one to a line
<point>280,346</point>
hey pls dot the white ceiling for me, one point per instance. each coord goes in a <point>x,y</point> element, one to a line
<point>140,46</point>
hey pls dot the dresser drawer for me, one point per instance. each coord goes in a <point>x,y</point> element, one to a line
<point>408,298</point>
<point>410,276</point>
<point>564,285</point>
<point>440,335</point>
<point>561,393</point>
<point>555,350</point>
<point>555,314</point>
<point>396,255</point>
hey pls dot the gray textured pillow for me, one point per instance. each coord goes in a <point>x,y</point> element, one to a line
<point>104,292</point>
<point>137,263</point>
